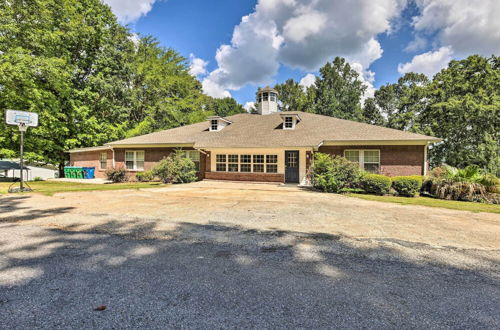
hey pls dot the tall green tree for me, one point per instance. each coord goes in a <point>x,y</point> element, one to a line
<point>224,107</point>
<point>292,96</point>
<point>337,91</point>
<point>371,113</point>
<point>464,110</point>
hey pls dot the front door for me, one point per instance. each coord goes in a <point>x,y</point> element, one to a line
<point>292,166</point>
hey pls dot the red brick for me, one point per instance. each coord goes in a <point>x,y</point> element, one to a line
<point>236,176</point>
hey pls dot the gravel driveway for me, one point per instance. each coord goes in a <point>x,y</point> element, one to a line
<point>62,256</point>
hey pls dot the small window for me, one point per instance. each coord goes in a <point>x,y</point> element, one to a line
<point>134,160</point>
<point>214,125</point>
<point>103,160</point>
<point>352,155</point>
<point>220,165</point>
<point>194,155</point>
<point>270,168</point>
<point>273,97</point>
<point>258,158</point>
<point>265,96</point>
<point>271,159</point>
<point>368,160</point>
<point>246,168</point>
<point>246,158</point>
<point>288,123</point>
<point>232,165</point>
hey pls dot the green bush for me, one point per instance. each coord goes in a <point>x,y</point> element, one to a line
<point>375,183</point>
<point>116,174</point>
<point>407,186</point>
<point>333,173</point>
<point>145,176</point>
<point>37,178</point>
<point>175,169</point>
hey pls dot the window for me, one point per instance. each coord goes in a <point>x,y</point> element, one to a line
<point>288,124</point>
<point>134,160</point>
<point>368,160</point>
<point>194,155</point>
<point>247,163</point>
<point>214,125</point>
<point>104,160</point>
<point>265,96</point>
<point>273,97</point>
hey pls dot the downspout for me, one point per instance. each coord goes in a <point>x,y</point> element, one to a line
<point>113,151</point>
<point>425,158</point>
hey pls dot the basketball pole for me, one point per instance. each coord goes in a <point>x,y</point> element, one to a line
<point>21,130</point>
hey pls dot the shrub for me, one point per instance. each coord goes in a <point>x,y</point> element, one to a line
<point>375,183</point>
<point>37,178</point>
<point>176,169</point>
<point>116,174</point>
<point>407,186</point>
<point>145,176</point>
<point>334,174</point>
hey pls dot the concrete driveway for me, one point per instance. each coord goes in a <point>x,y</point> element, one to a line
<point>228,255</point>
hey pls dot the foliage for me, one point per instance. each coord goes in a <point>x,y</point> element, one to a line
<point>375,183</point>
<point>333,173</point>
<point>224,107</point>
<point>116,174</point>
<point>371,113</point>
<point>176,169</point>
<point>292,96</point>
<point>37,178</point>
<point>407,186</point>
<point>145,176</point>
<point>51,187</point>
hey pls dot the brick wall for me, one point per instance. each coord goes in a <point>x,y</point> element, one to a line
<point>237,176</point>
<point>91,159</point>
<point>394,160</point>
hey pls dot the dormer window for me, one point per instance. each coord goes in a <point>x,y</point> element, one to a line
<point>217,123</point>
<point>290,120</point>
<point>214,125</point>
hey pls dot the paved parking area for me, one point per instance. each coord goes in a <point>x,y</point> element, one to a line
<point>222,255</point>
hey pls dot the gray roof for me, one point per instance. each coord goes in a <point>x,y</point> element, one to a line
<point>264,131</point>
<point>10,165</point>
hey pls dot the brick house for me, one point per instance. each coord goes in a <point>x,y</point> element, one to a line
<point>269,146</point>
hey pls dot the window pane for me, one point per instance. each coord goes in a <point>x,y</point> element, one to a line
<point>140,155</point>
<point>258,168</point>
<point>129,165</point>
<point>193,155</point>
<point>371,156</point>
<point>232,158</point>
<point>271,159</point>
<point>221,158</point>
<point>221,167</point>
<point>246,158</point>
<point>245,168</point>
<point>232,167</point>
<point>372,168</point>
<point>129,155</point>
<point>140,165</point>
<point>352,155</point>
<point>270,168</point>
<point>258,159</point>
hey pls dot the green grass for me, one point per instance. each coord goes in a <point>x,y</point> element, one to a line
<point>52,187</point>
<point>432,202</point>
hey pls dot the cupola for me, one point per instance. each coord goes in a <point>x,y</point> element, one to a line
<point>267,101</point>
<point>217,123</point>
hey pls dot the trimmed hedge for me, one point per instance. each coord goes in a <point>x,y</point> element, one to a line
<point>407,186</point>
<point>334,174</point>
<point>145,176</point>
<point>116,174</point>
<point>375,184</point>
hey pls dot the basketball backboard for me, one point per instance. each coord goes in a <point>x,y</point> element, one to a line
<point>16,117</point>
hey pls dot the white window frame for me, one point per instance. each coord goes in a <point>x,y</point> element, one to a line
<point>284,122</point>
<point>103,159</point>
<point>362,157</point>
<point>251,163</point>
<point>212,125</point>
<point>135,167</point>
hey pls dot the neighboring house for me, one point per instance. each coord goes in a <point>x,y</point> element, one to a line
<point>268,146</point>
<point>11,170</point>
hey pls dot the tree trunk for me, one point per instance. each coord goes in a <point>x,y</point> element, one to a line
<point>61,170</point>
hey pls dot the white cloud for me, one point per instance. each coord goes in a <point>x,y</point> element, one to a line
<point>129,11</point>
<point>428,63</point>
<point>198,66</point>
<point>248,106</point>
<point>214,90</point>
<point>307,80</point>
<point>302,34</point>
<point>468,26</point>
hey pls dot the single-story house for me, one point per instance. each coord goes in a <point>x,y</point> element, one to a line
<point>270,146</point>
<point>10,170</point>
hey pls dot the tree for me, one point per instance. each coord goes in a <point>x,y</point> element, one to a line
<point>224,107</point>
<point>337,91</point>
<point>292,96</point>
<point>464,110</point>
<point>404,101</point>
<point>371,113</point>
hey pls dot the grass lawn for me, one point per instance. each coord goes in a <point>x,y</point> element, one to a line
<point>52,187</point>
<point>432,202</point>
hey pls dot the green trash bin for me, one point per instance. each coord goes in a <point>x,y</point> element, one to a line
<point>67,171</point>
<point>72,173</point>
<point>79,172</point>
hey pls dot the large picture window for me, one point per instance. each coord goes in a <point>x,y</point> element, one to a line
<point>134,160</point>
<point>368,160</point>
<point>246,163</point>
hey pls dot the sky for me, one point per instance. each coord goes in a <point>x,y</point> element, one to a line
<point>235,46</point>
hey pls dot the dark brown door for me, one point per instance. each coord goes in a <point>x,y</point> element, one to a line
<point>292,166</point>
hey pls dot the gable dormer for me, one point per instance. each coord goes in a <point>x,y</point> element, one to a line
<point>217,123</point>
<point>290,119</point>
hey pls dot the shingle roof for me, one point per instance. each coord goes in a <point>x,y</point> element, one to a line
<point>252,130</point>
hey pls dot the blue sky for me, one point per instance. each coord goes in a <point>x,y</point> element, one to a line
<point>268,41</point>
